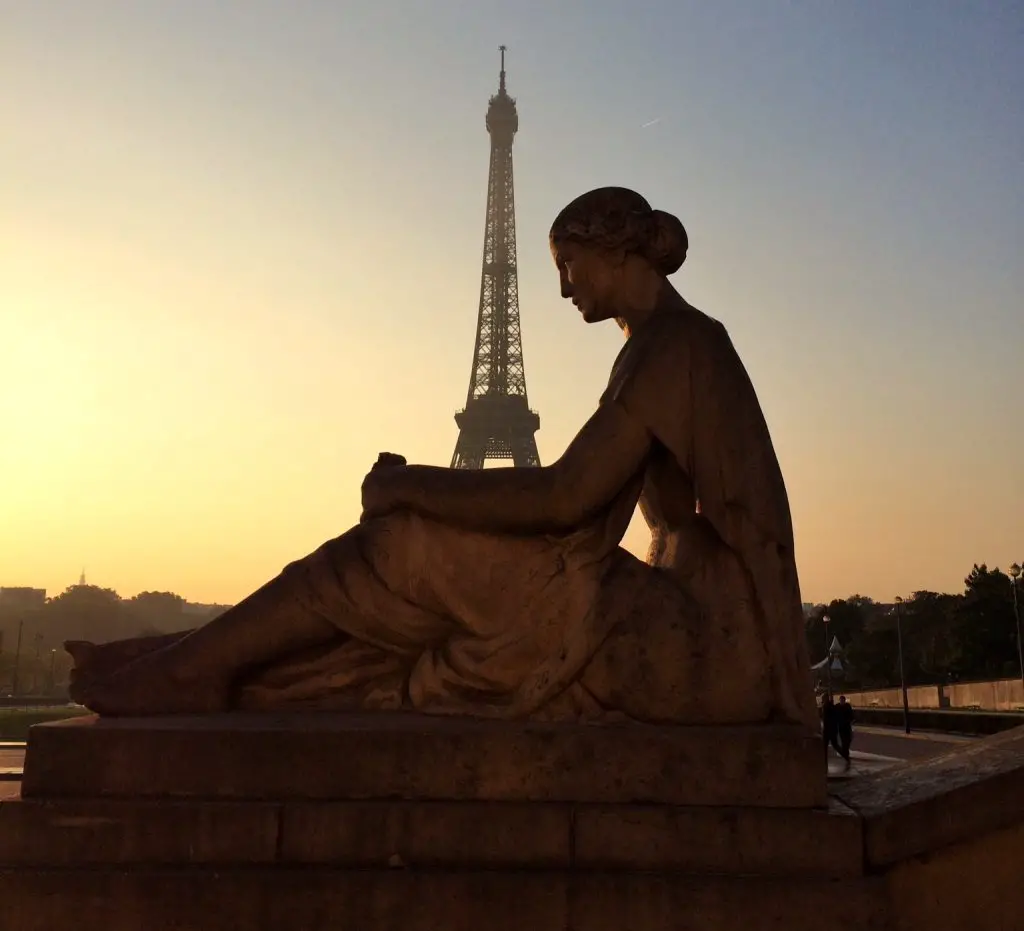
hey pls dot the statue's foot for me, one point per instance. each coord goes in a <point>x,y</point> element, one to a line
<point>93,658</point>
<point>99,660</point>
<point>150,685</point>
<point>87,658</point>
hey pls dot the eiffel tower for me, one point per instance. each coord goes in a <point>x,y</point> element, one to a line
<point>497,422</point>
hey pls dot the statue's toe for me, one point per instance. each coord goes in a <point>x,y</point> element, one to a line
<point>81,650</point>
<point>78,689</point>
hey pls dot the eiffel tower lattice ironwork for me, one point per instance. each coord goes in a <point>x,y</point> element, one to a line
<point>497,422</point>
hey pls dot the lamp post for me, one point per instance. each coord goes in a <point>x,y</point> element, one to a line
<point>1015,571</point>
<point>903,680</point>
<point>17,660</point>
<point>53,677</point>
<point>828,659</point>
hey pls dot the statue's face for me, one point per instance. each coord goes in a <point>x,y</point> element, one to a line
<point>588,277</point>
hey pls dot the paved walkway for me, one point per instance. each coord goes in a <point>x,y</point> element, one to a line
<point>876,748</point>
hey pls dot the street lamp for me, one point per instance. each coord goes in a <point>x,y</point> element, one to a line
<point>903,680</point>
<point>17,660</point>
<point>828,658</point>
<point>1015,572</point>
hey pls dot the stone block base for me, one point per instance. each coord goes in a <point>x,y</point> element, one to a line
<point>403,900</point>
<point>407,756</point>
<point>318,823</point>
<point>123,833</point>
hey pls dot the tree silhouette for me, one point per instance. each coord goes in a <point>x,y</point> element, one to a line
<point>985,628</point>
<point>156,612</point>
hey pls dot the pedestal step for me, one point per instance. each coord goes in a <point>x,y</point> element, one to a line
<point>408,900</point>
<point>479,835</point>
<point>418,757</point>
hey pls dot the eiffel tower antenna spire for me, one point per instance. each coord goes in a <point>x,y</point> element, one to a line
<point>497,422</point>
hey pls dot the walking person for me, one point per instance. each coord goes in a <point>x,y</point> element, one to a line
<point>844,727</point>
<point>829,729</point>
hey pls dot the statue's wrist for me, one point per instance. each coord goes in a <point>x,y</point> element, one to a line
<point>406,487</point>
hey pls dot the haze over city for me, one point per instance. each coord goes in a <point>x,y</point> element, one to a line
<point>240,255</point>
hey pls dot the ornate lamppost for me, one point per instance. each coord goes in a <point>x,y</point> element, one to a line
<point>903,679</point>
<point>828,659</point>
<point>1015,571</point>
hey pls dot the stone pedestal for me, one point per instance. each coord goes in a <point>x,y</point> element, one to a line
<point>418,757</point>
<point>403,822</point>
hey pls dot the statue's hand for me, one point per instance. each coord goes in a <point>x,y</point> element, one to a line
<point>387,460</point>
<point>382,487</point>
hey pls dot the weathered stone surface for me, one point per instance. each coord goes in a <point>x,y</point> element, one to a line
<point>404,756</point>
<point>776,842</point>
<point>326,900</point>
<point>917,807</point>
<point>650,902</point>
<point>759,841</point>
<point>965,887</point>
<point>381,834</point>
<point>385,834</point>
<point>89,832</point>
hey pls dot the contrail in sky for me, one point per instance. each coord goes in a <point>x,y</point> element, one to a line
<point>651,122</point>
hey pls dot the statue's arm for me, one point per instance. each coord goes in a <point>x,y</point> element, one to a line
<point>609,451</point>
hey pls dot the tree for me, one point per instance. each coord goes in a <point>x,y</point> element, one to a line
<point>847,619</point>
<point>985,627</point>
<point>931,646</point>
<point>83,612</point>
<point>156,612</point>
<point>874,654</point>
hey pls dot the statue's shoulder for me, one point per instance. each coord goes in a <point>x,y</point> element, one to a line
<point>684,330</point>
<point>705,335</point>
<point>696,322</point>
<point>666,348</point>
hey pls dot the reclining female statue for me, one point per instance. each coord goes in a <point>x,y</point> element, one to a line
<point>504,592</point>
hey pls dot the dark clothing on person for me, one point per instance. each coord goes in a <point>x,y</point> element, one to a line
<point>843,714</point>
<point>830,726</point>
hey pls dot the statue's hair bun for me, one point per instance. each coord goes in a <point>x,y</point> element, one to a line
<point>667,242</point>
<point>618,218</point>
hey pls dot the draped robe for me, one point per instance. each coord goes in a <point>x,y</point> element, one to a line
<point>708,630</point>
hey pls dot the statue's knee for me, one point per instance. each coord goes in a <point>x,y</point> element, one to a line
<point>347,545</point>
<point>329,552</point>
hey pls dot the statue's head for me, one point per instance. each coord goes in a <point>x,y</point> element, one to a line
<point>610,239</point>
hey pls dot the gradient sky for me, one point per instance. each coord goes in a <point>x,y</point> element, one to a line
<point>240,245</point>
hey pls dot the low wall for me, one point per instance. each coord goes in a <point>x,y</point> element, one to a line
<point>996,695</point>
<point>921,696</point>
<point>1000,695</point>
<point>974,723</point>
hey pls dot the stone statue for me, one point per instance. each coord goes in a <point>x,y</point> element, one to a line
<point>503,592</point>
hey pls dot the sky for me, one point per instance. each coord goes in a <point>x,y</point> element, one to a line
<point>240,250</point>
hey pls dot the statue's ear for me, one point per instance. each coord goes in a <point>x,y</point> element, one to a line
<point>615,257</point>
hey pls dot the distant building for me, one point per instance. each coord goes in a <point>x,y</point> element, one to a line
<point>21,599</point>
